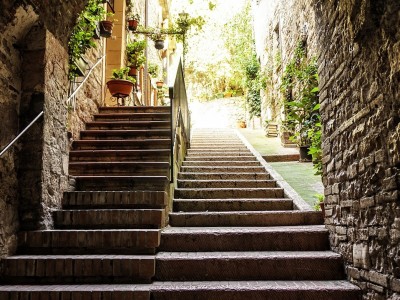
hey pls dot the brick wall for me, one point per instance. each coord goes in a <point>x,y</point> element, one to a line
<point>357,43</point>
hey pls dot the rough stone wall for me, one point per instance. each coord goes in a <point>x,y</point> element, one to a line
<point>360,103</point>
<point>22,95</point>
<point>357,44</point>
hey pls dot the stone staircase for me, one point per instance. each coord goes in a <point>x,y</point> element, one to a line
<point>105,235</point>
<point>234,235</point>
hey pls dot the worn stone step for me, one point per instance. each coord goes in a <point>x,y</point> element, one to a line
<point>127,125</point>
<point>54,269</point>
<point>218,193</point>
<point>280,238</point>
<point>99,241</point>
<point>220,158</point>
<point>125,134</point>
<point>256,290</point>
<point>119,168</point>
<point>217,153</point>
<point>109,218</point>
<point>224,169</point>
<point>122,144</point>
<point>245,218</point>
<point>193,184</point>
<point>223,176</point>
<point>220,163</point>
<point>218,148</point>
<point>76,291</point>
<point>274,265</point>
<point>126,116</point>
<point>216,143</point>
<point>117,199</point>
<point>134,109</point>
<point>155,155</point>
<point>121,183</point>
<point>192,205</point>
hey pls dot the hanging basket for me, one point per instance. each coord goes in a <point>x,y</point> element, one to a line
<point>120,88</point>
<point>106,28</point>
<point>133,24</point>
<point>159,44</point>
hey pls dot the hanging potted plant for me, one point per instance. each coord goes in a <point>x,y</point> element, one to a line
<point>133,22</point>
<point>105,25</point>
<point>135,56</point>
<point>121,84</point>
<point>158,39</point>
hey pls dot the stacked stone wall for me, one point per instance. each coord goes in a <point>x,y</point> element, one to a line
<point>357,44</point>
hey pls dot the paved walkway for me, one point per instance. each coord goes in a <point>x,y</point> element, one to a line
<point>223,113</point>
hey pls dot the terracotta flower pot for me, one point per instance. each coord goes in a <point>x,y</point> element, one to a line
<point>159,44</point>
<point>120,88</point>
<point>159,84</point>
<point>133,24</point>
<point>241,124</point>
<point>133,71</point>
<point>106,28</point>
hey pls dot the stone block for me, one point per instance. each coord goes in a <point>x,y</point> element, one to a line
<point>361,257</point>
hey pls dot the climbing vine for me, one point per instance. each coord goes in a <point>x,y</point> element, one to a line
<point>301,103</point>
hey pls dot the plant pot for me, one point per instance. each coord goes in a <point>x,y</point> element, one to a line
<point>133,24</point>
<point>160,84</point>
<point>322,206</point>
<point>241,124</point>
<point>159,44</point>
<point>304,156</point>
<point>285,140</point>
<point>106,28</point>
<point>120,88</point>
<point>81,66</point>
<point>133,71</point>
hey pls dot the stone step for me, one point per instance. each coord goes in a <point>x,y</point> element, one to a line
<point>222,266</point>
<point>163,144</point>
<point>127,125</point>
<point>211,140</point>
<point>122,183</point>
<point>193,205</point>
<point>217,153</point>
<point>283,238</point>
<point>223,176</point>
<point>109,218</point>
<point>245,218</point>
<point>218,193</point>
<point>156,155</point>
<point>75,292</point>
<point>119,199</point>
<point>126,116</point>
<point>53,269</point>
<point>208,144</point>
<point>105,241</point>
<point>119,168</point>
<point>219,163</point>
<point>256,290</point>
<point>218,148</point>
<point>224,169</point>
<point>220,158</point>
<point>193,184</point>
<point>134,109</point>
<point>125,134</point>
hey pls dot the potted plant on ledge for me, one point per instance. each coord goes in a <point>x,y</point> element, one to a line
<point>135,55</point>
<point>133,22</point>
<point>121,84</point>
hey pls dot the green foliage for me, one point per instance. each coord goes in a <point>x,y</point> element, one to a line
<point>135,53</point>
<point>315,136</point>
<point>82,34</point>
<point>122,74</point>
<point>301,96</point>
<point>320,198</point>
<point>186,24</point>
<point>153,69</point>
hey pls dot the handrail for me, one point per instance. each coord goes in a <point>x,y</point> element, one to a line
<point>180,122</point>
<point>42,112</point>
